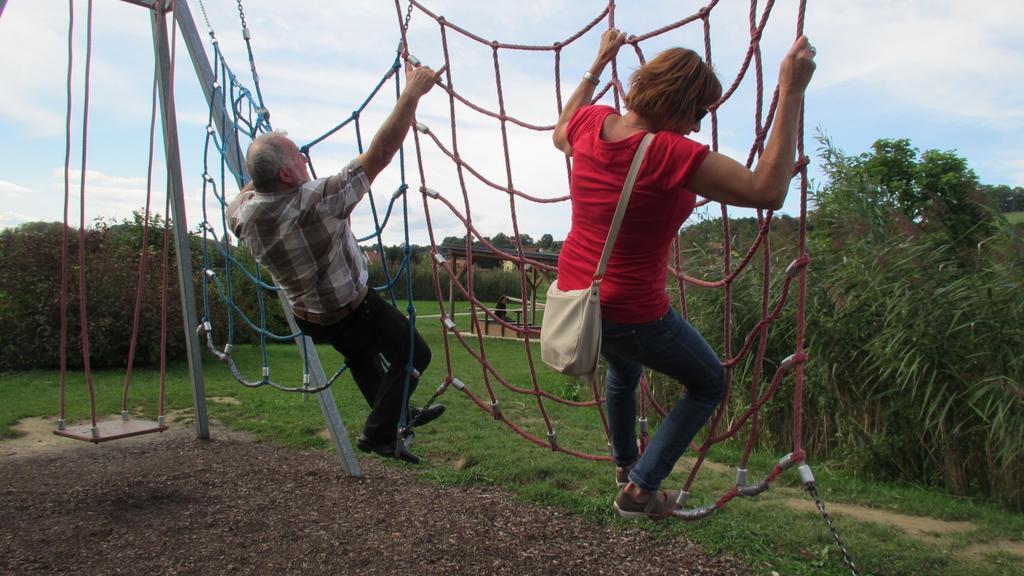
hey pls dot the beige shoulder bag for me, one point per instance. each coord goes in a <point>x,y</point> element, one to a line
<point>570,335</point>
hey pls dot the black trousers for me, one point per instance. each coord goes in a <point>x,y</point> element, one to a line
<point>374,331</point>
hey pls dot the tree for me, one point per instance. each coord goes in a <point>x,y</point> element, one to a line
<point>952,188</point>
<point>1004,198</point>
<point>394,254</point>
<point>936,190</point>
<point>546,241</point>
<point>501,240</point>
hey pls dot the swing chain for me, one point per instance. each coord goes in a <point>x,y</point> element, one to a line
<point>408,16</point>
<point>847,558</point>
<point>202,8</point>
<point>241,16</point>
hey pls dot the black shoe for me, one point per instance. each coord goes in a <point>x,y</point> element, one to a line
<point>419,417</point>
<point>386,448</point>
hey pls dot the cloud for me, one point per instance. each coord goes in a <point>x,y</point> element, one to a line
<point>109,195</point>
<point>1011,161</point>
<point>950,57</point>
<point>939,62</point>
<point>11,190</point>
<point>40,73</point>
<point>10,219</point>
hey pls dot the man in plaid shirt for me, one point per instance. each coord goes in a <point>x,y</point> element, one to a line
<point>299,230</point>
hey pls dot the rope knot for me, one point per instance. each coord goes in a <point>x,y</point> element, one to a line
<point>797,266</point>
<point>794,360</point>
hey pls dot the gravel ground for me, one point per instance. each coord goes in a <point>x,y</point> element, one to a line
<point>176,505</point>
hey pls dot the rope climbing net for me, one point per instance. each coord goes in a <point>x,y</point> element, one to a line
<point>500,376</point>
<point>487,388</point>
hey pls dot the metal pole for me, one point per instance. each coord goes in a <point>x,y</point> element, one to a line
<point>214,98</point>
<point>335,426</point>
<point>181,239</point>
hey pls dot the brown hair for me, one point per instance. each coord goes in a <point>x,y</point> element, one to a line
<point>668,90</point>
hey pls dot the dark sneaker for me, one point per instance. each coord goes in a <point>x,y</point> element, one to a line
<point>386,448</point>
<point>658,507</point>
<point>622,474</point>
<point>419,417</point>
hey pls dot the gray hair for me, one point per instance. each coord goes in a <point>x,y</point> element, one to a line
<point>266,157</point>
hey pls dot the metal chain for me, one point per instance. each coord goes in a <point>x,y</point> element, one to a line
<point>408,16</point>
<point>831,528</point>
<point>403,48</point>
<point>241,15</point>
<point>202,8</point>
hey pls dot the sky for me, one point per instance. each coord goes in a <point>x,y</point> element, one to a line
<point>943,73</point>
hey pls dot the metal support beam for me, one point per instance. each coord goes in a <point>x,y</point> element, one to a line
<point>182,249</point>
<point>328,407</point>
<point>214,98</point>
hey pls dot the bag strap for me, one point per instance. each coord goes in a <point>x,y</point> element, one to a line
<point>620,210</point>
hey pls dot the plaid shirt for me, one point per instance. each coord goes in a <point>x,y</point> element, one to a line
<point>302,236</point>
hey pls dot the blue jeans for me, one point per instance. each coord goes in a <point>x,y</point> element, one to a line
<point>671,346</point>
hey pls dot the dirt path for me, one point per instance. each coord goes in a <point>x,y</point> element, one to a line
<point>929,530</point>
<point>169,504</point>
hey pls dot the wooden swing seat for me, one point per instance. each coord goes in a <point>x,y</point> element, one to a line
<point>113,429</point>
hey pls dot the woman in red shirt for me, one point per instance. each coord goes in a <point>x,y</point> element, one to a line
<point>668,96</point>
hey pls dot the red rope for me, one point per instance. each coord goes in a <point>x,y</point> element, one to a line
<point>801,314</point>
<point>165,283</point>
<point>67,196</point>
<point>84,328</point>
<point>143,251</point>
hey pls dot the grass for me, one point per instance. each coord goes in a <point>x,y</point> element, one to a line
<point>468,447</point>
<point>1015,217</point>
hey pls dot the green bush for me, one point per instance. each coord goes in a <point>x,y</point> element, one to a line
<point>920,349</point>
<point>30,291</point>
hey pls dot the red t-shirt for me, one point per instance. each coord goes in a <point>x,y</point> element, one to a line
<point>633,290</point>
